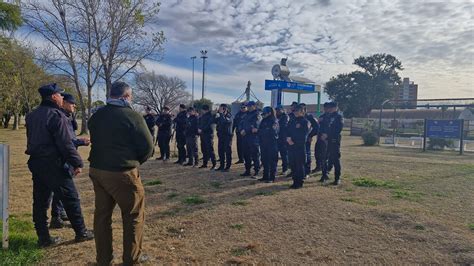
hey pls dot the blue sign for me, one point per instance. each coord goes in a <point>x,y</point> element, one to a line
<point>448,129</point>
<point>289,86</point>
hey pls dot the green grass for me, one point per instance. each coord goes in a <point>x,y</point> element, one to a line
<point>194,200</point>
<point>367,182</point>
<point>240,203</point>
<point>348,199</point>
<point>172,195</point>
<point>23,249</point>
<point>265,193</point>
<point>372,203</point>
<point>237,226</point>
<point>407,195</point>
<point>471,226</point>
<point>153,182</point>
<point>216,184</point>
<point>419,227</point>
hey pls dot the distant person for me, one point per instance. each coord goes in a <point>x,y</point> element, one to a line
<point>180,128</point>
<point>298,130</point>
<point>282,134</point>
<point>150,120</point>
<point>164,123</point>
<point>121,141</point>
<point>320,149</point>
<point>53,162</point>
<point>268,140</point>
<point>191,133</point>
<point>313,131</point>
<point>333,130</point>
<point>235,128</point>
<point>249,131</point>
<point>291,117</point>
<point>224,135</point>
<point>206,131</point>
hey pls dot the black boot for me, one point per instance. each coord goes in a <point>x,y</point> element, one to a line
<point>246,173</point>
<point>337,181</point>
<point>202,166</point>
<point>84,236</point>
<point>56,223</point>
<point>239,162</point>
<point>324,178</point>
<point>48,242</point>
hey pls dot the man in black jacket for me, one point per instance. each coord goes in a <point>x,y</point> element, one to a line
<point>313,131</point>
<point>235,128</point>
<point>164,123</point>
<point>224,134</point>
<point>332,133</point>
<point>180,128</point>
<point>282,134</point>
<point>298,130</point>
<point>150,120</point>
<point>250,133</point>
<point>191,133</point>
<point>53,161</point>
<point>207,137</point>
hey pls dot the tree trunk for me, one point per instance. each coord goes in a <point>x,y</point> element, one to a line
<point>6,121</point>
<point>16,121</point>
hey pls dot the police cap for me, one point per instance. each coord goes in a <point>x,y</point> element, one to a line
<point>68,98</point>
<point>49,89</point>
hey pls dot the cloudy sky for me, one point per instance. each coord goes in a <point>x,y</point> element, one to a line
<point>433,39</point>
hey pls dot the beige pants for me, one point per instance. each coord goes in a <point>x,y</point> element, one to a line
<point>126,190</point>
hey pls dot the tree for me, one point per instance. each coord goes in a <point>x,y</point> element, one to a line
<point>361,91</point>
<point>10,17</point>
<point>158,91</point>
<point>199,103</point>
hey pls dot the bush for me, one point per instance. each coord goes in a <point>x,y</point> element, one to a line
<point>439,144</point>
<point>370,138</point>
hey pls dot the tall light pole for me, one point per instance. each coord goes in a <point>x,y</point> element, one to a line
<point>204,57</point>
<point>192,95</point>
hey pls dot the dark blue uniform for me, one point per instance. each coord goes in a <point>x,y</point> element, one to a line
<point>251,145</point>
<point>191,133</point>
<point>320,149</point>
<point>298,130</point>
<point>224,133</point>
<point>240,139</point>
<point>291,118</point>
<point>150,123</point>
<point>52,157</point>
<point>180,127</point>
<point>207,139</point>
<point>268,139</point>
<point>164,123</point>
<point>313,132</point>
<point>282,144</point>
<point>335,124</point>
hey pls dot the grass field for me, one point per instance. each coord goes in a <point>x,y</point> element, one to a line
<point>395,206</point>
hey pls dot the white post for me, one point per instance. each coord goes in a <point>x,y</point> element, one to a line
<point>4,176</point>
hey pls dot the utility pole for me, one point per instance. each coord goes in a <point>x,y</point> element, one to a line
<point>192,95</point>
<point>204,57</point>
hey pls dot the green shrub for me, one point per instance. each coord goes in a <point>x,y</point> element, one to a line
<point>439,143</point>
<point>370,138</point>
<point>194,200</point>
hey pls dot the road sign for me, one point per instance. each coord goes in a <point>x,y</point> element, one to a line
<point>289,86</point>
<point>448,129</point>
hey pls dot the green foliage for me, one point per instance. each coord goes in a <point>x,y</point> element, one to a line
<point>419,227</point>
<point>10,17</point>
<point>370,138</point>
<point>439,143</point>
<point>237,226</point>
<point>240,203</point>
<point>194,200</point>
<point>367,182</point>
<point>153,182</point>
<point>471,226</point>
<point>98,103</point>
<point>361,91</point>
<point>23,249</point>
<point>216,184</point>
<point>172,195</point>
<point>199,103</point>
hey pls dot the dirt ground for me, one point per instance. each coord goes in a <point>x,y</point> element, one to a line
<point>420,211</point>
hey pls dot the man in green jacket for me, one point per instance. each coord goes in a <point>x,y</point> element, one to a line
<point>120,142</point>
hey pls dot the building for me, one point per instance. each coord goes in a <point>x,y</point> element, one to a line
<point>407,94</point>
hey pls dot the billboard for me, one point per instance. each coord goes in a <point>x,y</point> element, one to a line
<point>448,129</point>
<point>289,86</point>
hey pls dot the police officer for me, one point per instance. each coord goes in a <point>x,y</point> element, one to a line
<point>235,128</point>
<point>249,129</point>
<point>291,117</point>
<point>268,139</point>
<point>53,162</point>
<point>164,123</point>
<point>191,133</point>
<point>335,124</point>
<point>320,147</point>
<point>150,120</point>
<point>224,134</point>
<point>282,134</point>
<point>180,128</point>
<point>314,129</point>
<point>206,131</point>
<point>298,130</point>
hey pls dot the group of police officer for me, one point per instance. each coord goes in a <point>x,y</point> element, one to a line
<point>263,136</point>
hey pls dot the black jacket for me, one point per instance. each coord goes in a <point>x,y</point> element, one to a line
<point>334,127</point>
<point>164,123</point>
<point>205,124</point>
<point>268,132</point>
<point>251,120</point>
<point>180,124</point>
<point>323,123</point>
<point>49,136</point>
<point>314,125</point>
<point>237,121</point>
<point>283,125</point>
<point>150,122</point>
<point>191,126</point>
<point>298,130</point>
<point>224,124</point>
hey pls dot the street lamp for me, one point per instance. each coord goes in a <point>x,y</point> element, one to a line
<point>192,97</point>
<point>204,57</point>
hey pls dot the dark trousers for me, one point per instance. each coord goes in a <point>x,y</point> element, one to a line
<point>164,144</point>
<point>333,158</point>
<point>224,144</point>
<point>192,150</point>
<point>283,150</point>
<point>307,166</point>
<point>181,144</point>
<point>320,151</point>
<point>207,149</point>
<point>57,208</point>
<point>240,146</point>
<point>251,153</point>
<point>297,154</point>
<point>269,156</point>
<point>50,177</point>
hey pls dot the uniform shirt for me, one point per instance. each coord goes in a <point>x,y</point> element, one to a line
<point>251,120</point>
<point>268,132</point>
<point>323,123</point>
<point>205,124</point>
<point>314,125</point>
<point>49,137</point>
<point>191,126</point>
<point>298,130</point>
<point>150,122</point>
<point>283,125</point>
<point>164,123</point>
<point>224,124</point>
<point>239,117</point>
<point>180,123</point>
<point>335,125</point>
<point>72,126</point>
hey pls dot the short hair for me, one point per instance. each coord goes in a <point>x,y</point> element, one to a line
<point>205,107</point>
<point>118,89</point>
<point>225,106</point>
<point>299,108</point>
<point>190,109</point>
<point>182,106</point>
